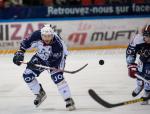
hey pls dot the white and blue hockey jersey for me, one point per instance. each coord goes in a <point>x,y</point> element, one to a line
<point>138,46</point>
<point>55,51</point>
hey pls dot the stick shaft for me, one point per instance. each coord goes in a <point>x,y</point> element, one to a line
<point>59,70</point>
<point>138,76</point>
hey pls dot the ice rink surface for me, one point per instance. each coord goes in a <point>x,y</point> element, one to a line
<point>110,81</point>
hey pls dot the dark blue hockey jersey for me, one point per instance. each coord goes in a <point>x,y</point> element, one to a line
<point>52,52</point>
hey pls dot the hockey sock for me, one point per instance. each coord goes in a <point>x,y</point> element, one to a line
<point>34,86</point>
<point>64,90</point>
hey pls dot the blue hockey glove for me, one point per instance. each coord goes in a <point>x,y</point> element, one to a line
<point>18,56</point>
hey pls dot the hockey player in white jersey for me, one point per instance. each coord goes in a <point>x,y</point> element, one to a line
<point>51,52</point>
<point>140,45</point>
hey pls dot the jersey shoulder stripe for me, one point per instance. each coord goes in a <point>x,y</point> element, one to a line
<point>137,39</point>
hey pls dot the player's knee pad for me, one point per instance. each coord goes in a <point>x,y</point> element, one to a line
<point>57,77</point>
<point>28,76</point>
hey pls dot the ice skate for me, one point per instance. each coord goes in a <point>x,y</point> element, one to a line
<point>40,97</point>
<point>145,102</point>
<point>70,105</point>
<point>137,91</point>
<point>146,95</point>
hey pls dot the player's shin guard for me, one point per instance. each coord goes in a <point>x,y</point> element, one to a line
<point>34,86</point>
<point>64,90</point>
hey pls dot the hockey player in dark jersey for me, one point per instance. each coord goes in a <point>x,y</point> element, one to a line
<point>51,52</point>
<point>140,45</point>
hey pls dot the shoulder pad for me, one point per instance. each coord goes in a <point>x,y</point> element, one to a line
<point>137,39</point>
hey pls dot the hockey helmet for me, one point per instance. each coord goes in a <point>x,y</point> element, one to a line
<point>47,30</point>
<point>146,31</point>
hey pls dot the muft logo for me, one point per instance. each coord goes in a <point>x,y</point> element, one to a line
<point>78,38</point>
<point>112,35</point>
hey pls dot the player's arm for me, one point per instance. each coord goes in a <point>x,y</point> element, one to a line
<point>130,59</point>
<point>24,45</point>
<point>131,53</point>
<point>27,42</point>
<point>133,48</point>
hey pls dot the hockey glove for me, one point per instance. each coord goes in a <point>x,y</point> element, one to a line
<point>18,56</point>
<point>132,70</point>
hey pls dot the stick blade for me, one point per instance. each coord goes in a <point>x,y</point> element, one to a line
<point>73,72</point>
<point>106,104</point>
<point>99,100</point>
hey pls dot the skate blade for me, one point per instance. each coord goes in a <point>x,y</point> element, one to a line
<point>145,103</point>
<point>41,101</point>
<point>71,108</point>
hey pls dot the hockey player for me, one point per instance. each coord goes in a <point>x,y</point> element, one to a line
<point>140,45</point>
<point>51,52</point>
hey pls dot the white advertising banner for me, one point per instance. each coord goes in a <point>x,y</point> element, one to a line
<point>76,33</point>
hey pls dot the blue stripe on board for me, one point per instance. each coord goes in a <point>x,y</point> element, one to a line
<point>74,18</point>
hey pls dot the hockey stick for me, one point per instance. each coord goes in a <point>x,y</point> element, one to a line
<point>59,70</point>
<point>140,77</point>
<point>106,104</point>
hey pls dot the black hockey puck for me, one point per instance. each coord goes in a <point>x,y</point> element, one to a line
<point>101,62</point>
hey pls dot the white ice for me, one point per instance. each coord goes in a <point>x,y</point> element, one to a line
<point>110,81</point>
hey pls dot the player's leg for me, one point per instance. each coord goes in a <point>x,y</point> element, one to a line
<point>146,92</point>
<point>30,79</point>
<point>29,76</point>
<point>63,89</point>
<point>146,71</point>
<point>62,85</point>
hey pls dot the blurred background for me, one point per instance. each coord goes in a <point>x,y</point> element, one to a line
<point>83,24</point>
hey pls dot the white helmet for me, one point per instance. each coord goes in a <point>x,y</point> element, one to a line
<point>47,30</point>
